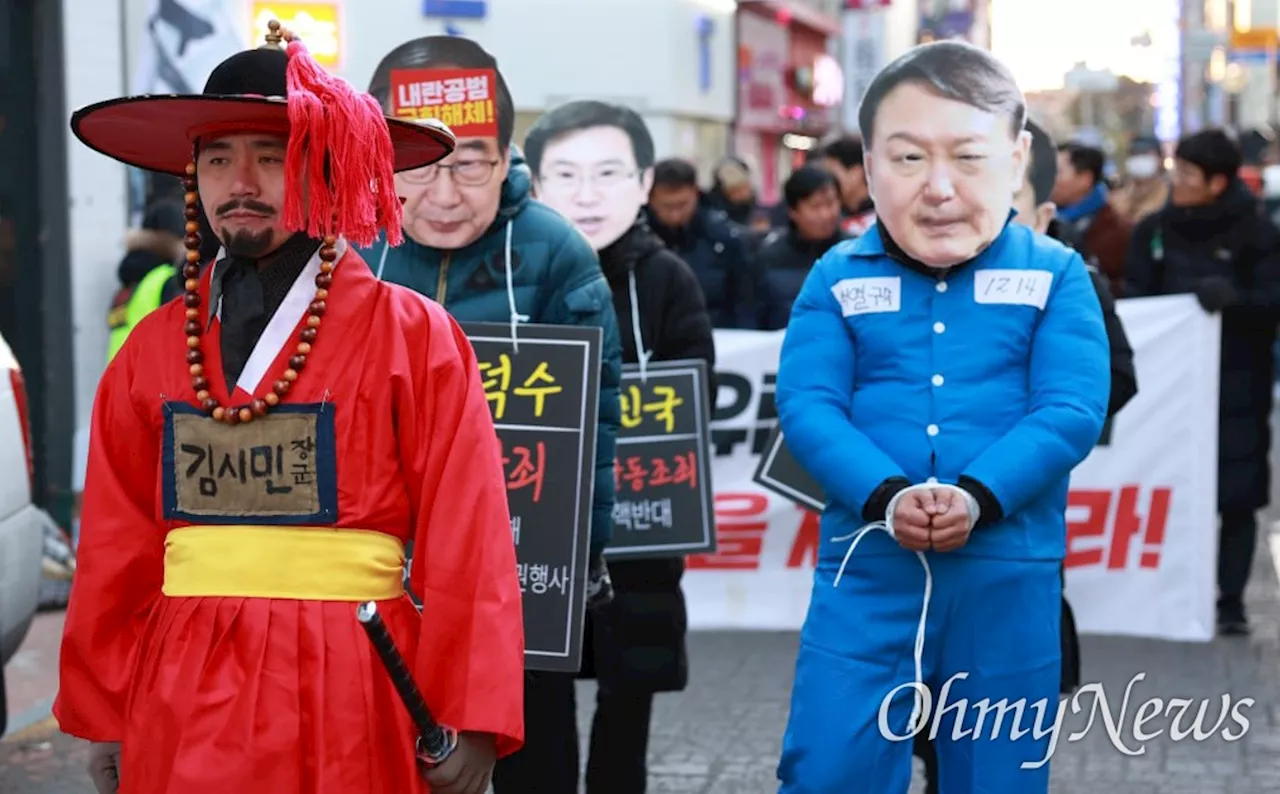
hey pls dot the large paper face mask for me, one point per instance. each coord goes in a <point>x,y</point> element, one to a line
<point>587,167</point>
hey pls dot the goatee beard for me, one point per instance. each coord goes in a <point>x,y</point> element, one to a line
<point>249,245</point>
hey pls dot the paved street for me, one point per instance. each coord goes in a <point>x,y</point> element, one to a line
<point>722,735</point>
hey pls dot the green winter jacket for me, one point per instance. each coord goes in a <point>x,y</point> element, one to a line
<point>555,279</point>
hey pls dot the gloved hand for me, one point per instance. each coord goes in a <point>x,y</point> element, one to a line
<point>1216,293</point>
<point>599,585</point>
<point>104,766</point>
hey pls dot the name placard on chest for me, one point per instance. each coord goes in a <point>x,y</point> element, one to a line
<point>280,469</point>
<point>868,295</point>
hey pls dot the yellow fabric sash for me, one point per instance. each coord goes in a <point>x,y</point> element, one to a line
<point>285,562</point>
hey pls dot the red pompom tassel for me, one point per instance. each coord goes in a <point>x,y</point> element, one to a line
<point>335,126</point>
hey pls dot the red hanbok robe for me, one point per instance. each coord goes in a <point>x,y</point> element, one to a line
<point>246,695</point>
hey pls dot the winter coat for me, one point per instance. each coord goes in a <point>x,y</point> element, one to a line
<point>964,376</point>
<point>1181,250</point>
<point>1124,375</point>
<point>783,263</point>
<point>555,279</point>
<point>718,251</point>
<point>638,641</point>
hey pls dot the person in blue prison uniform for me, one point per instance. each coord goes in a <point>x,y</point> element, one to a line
<point>940,377</point>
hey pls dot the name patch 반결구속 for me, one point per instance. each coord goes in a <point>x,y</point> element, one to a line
<point>869,295</point>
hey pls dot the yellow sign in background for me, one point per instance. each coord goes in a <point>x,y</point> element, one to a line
<point>1253,39</point>
<point>319,25</point>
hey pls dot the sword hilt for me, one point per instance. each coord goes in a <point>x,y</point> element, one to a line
<point>435,742</point>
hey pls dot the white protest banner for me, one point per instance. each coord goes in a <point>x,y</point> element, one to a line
<point>1142,525</point>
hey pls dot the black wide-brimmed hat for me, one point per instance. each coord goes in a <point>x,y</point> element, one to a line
<point>340,141</point>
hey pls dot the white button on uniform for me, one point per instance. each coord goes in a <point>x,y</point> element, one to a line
<point>937,380</point>
<point>932,430</point>
<point>939,328</point>
<point>942,286</point>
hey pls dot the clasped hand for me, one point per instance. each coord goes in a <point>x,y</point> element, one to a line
<point>931,518</point>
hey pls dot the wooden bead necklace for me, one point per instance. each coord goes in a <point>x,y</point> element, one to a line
<point>194,327</point>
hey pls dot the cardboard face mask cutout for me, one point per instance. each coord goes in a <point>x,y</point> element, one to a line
<point>593,163</point>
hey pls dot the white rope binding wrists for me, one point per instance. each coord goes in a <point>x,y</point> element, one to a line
<point>886,526</point>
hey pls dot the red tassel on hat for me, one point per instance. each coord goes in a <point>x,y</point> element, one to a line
<point>332,124</point>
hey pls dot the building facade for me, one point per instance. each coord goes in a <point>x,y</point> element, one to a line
<point>62,216</point>
<point>790,85</point>
<point>874,33</point>
<point>670,60</point>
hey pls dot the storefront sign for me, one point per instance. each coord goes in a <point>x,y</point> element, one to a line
<point>865,55</point>
<point>319,25</point>
<point>763,48</point>
<point>458,9</point>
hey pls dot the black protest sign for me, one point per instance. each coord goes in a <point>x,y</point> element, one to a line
<point>781,473</point>
<point>662,470</point>
<point>544,393</point>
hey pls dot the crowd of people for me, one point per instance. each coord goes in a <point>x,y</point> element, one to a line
<point>192,667</point>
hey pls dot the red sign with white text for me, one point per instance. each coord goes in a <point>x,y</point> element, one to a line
<point>464,99</point>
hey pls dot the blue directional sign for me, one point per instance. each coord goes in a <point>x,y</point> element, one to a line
<point>458,9</point>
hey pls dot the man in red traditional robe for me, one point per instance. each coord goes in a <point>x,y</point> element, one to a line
<point>255,477</point>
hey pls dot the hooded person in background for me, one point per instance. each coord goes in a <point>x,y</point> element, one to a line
<point>1147,187</point>
<point>148,272</point>
<point>593,160</point>
<point>1213,241</point>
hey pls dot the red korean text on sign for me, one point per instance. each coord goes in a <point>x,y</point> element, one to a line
<point>526,467</point>
<point>634,473</point>
<point>464,99</point>
<point>1099,536</point>
<point>740,528</point>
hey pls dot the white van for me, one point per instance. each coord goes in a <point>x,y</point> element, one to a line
<point>21,523</point>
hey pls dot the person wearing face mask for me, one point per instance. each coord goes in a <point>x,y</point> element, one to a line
<point>941,376</point>
<point>1213,242</point>
<point>1147,189</point>
<point>1035,209</point>
<point>479,245</point>
<point>593,163</point>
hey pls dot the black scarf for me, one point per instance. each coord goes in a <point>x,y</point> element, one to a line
<point>252,291</point>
